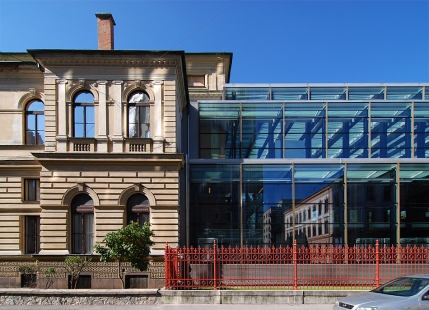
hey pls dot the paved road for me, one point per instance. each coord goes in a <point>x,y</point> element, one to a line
<point>176,307</point>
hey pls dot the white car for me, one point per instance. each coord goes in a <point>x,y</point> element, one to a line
<point>404,293</point>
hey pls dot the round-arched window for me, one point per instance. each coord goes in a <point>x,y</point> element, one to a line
<point>83,115</point>
<point>138,115</point>
<point>138,209</point>
<point>35,123</point>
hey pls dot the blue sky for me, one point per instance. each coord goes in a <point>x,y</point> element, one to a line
<point>283,41</point>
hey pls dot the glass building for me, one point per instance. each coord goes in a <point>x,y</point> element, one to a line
<point>319,164</point>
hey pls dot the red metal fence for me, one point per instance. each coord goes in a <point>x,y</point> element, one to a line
<point>311,267</point>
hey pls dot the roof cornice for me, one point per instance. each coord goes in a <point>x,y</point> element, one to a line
<point>123,58</point>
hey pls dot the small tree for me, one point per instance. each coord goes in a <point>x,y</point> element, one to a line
<point>28,275</point>
<point>129,244</point>
<point>49,273</point>
<point>74,265</point>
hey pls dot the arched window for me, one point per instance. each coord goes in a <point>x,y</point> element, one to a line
<point>83,113</point>
<point>82,210</point>
<point>35,123</point>
<point>138,209</point>
<point>138,115</point>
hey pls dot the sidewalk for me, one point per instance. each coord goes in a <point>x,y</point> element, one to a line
<point>174,307</point>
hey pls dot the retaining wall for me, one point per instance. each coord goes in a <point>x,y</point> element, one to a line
<point>152,296</point>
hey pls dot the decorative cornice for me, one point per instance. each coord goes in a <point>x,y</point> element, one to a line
<point>158,63</point>
<point>32,94</point>
<point>137,85</point>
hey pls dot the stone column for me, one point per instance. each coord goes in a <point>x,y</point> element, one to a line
<point>62,120</point>
<point>102,142</point>
<point>118,137</point>
<point>157,121</point>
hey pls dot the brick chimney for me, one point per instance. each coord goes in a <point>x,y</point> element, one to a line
<point>106,36</point>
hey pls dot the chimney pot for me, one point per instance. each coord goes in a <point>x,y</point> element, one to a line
<point>106,36</point>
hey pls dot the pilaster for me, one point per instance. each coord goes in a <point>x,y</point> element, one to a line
<point>102,141</point>
<point>62,116</point>
<point>118,137</point>
<point>158,138</point>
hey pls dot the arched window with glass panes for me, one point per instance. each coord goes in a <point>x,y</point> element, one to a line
<point>82,212</point>
<point>138,209</point>
<point>35,123</point>
<point>138,115</point>
<point>83,115</point>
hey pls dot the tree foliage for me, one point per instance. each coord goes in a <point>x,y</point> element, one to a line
<point>129,244</point>
<point>74,266</point>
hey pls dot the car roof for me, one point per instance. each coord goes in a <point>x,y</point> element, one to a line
<point>424,276</point>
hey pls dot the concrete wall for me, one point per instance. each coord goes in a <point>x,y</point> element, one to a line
<point>140,297</point>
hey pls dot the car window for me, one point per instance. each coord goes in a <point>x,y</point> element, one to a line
<point>406,286</point>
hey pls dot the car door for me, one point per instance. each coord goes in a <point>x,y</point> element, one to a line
<point>424,302</point>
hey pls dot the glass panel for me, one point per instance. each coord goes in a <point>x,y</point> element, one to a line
<point>421,130</point>
<point>40,129</point>
<point>214,205</point>
<point>79,130</point>
<point>391,130</point>
<point>84,97</point>
<point>79,115</point>
<point>319,205</point>
<point>32,190</point>
<point>371,202</point>
<point>262,130</point>
<point>366,93</point>
<point>88,220</point>
<point>414,214</point>
<point>266,196</point>
<point>77,233</point>
<point>290,93</point>
<point>144,121</point>
<point>327,93</point>
<point>31,129</point>
<point>31,122</point>
<point>132,122</point>
<point>247,93</point>
<point>219,130</point>
<point>32,231</point>
<point>139,97</point>
<point>90,130</point>
<point>405,92</point>
<point>36,106</point>
<point>35,123</point>
<point>348,130</point>
<point>305,130</point>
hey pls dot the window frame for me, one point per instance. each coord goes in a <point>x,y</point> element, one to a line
<point>35,190</point>
<point>84,213</point>
<point>35,237</point>
<point>138,119</point>
<point>139,211</point>
<point>38,127</point>
<point>85,123</point>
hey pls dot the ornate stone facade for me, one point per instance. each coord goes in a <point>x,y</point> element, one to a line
<point>47,164</point>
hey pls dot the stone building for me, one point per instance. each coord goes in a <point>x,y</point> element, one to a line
<point>92,139</point>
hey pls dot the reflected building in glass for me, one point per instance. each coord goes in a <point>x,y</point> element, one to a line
<point>319,164</point>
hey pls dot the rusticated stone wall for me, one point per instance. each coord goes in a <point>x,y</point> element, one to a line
<point>103,275</point>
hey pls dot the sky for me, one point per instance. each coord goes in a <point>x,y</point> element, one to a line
<point>272,41</point>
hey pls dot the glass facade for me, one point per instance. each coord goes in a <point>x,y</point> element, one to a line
<point>319,165</point>
<point>313,129</point>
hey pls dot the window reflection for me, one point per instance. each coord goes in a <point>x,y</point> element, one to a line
<point>35,123</point>
<point>83,113</point>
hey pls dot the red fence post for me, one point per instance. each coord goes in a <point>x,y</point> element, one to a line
<point>377,263</point>
<point>295,267</point>
<point>167,267</point>
<point>214,266</point>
